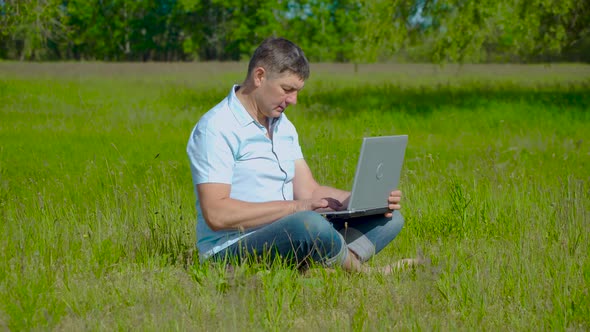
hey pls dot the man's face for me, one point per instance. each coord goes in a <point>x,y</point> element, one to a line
<point>276,92</point>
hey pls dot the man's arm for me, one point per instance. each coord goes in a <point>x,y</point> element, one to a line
<point>306,187</point>
<point>222,212</point>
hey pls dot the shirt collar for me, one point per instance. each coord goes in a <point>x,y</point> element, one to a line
<point>242,116</point>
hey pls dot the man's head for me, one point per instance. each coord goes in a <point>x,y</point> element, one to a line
<point>276,73</point>
<point>277,56</point>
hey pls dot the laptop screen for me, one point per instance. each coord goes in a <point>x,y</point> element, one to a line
<point>378,171</point>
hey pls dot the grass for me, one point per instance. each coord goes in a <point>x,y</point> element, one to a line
<point>97,211</point>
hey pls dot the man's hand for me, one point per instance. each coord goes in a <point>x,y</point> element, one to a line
<point>394,200</point>
<point>323,204</point>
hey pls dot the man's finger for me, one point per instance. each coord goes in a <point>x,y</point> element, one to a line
<point>394,194</point>
<point>394,206</point>
<point>319,204</point>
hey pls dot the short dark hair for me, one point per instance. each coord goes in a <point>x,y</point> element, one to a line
<point>278,55</point>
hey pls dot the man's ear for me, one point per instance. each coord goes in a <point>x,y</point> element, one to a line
<point>259,75</point>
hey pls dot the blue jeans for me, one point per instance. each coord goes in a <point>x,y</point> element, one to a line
<point>307,236</point>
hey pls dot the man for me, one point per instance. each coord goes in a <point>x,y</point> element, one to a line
<point>256,194</point>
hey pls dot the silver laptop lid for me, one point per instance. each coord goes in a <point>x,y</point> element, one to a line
<point>378,171</point>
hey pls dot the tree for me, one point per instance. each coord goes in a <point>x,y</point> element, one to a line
<point>328,30</point>
<point>34,26</point>
<point>125,30</point>
<point>463,30</point>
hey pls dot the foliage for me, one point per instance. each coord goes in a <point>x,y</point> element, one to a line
<point>328,30</point>
<point>33,26</point>
<point>175,29</point>
<point>458,30</point>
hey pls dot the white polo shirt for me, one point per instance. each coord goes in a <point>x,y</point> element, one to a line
<point>228,146</point>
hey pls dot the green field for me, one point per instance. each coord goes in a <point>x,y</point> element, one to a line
<point>97,217</point>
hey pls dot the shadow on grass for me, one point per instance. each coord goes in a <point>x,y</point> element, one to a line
<point>426,99</point>
<point>571,99</point>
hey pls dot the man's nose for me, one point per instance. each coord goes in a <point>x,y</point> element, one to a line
<point>292,99</point>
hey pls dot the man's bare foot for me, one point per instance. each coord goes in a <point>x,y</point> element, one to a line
<point>406,263</point>
<point>398,266</point>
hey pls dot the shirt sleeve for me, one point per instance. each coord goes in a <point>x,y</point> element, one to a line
<point>297,153</point>
<point>210,155</point>
<point>294,149</point>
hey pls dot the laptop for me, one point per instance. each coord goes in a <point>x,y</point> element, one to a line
<point>377,174</point>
